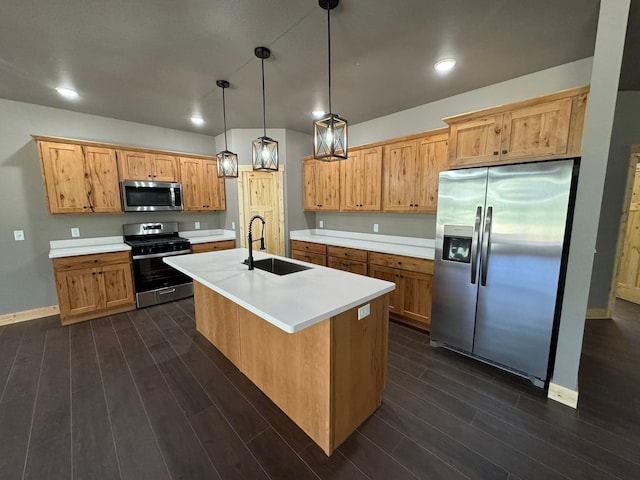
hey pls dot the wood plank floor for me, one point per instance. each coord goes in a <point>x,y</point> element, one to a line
<point>142,395</point>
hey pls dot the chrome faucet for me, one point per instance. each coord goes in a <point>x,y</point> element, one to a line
<point>251,240</point>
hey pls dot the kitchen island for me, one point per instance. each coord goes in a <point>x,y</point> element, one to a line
<point>297,337</point>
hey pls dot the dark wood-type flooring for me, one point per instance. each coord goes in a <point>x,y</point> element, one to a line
<point>142,395</point>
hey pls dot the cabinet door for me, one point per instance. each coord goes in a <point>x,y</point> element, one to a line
<point>540,131</point>
<point>116,283</point>
<point>432,160</point>
<point>193,195</point>
<point>135,165</point>
<point>165,168</point>
<point>475,141</point>
<point>215,198</point>
<point>390,275</point>
<point>64,177</point>
<point>102,171</point>
<point>79,291</point>
<point>321,184</point>
<point>416,300</point>
<point>361,180</point>
<point>398,176</point>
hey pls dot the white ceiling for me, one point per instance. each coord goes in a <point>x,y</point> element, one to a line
<point>157,61</point>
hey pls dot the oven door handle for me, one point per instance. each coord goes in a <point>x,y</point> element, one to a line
<point>157,255</point>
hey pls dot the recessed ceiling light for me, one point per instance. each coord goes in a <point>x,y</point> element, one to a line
<point>67,92</point>
<point>197,120</point>
<point>318,113</point>
<point>445,65</point>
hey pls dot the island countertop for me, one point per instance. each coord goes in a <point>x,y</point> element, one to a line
<point>290,302</point>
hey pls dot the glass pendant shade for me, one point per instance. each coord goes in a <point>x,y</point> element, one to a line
<point>265,154</point>
<point>330,138</point>
<point>227,161</point>
<point>227,164</point>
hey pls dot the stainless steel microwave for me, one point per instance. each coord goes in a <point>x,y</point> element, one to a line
<point>143,196</point>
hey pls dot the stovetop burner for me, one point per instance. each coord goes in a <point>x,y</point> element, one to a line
<point>154,238</point>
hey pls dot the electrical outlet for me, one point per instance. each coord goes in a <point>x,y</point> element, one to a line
<point>233,225</point>
<point>364,311</point>
<point>375,228</point>
<point>321,223</point>
<point>18,235</point>
<point>197,225</point>
<point>75,232</point>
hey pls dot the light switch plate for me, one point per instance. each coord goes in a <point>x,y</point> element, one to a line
<point>375,228</point>
<point>75,232</point>
<point>233,225</point>
<point>364,311</point>
<point>18,235</point>
<point>197,225</point>
<point>321,223</point>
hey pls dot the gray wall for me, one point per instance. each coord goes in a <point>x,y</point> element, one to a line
<point>405,224</point>
<point>26,275</point>
<point>626,132</point>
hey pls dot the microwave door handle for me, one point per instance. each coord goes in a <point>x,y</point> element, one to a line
<point>486,242</point>
<point>475,240</point>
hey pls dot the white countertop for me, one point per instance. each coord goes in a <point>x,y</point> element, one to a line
<point>290,302</point>
<point>206,236</point>
<point>87,246</point>
<point>409,246</point>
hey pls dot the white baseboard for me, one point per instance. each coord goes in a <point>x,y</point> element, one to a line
<point>563,395</point>
<point>25,315</point>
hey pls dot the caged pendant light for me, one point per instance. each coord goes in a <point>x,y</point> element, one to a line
<point>265,149</point>
<point>227,161</point>
<point>329,132</point>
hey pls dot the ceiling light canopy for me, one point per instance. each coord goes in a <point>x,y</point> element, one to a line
<point>444,65</point>
<point>227,161</point>
<point>318,113</point>
<point>67,92</point>
<point>329,131</point>
<point>196,120</point>
<point>265,149</point>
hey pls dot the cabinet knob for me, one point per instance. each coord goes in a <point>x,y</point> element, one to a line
<point>399,263</point>
<point>504,152</point>
<point>496,153</point>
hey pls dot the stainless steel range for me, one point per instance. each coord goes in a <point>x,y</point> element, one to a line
<point>155,281</point>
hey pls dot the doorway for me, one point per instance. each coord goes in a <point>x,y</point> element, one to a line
<point>627,281</point>
<point>261,193</point>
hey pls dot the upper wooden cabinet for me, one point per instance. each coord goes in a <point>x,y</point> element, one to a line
<point>542,128</point>
<point>202,190</point>
<point>136,165</point>
<point>321,184</point>
<point>79,179</point>
<point>361,180</point>
<point>410,170</point>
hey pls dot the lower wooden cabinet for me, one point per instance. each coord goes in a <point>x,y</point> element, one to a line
<point>347,259</point>
<point>91,286</point>
<point>410,302</point>
<point>309,252</point>
<point>213,246</point>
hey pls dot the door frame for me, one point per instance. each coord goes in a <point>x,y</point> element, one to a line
<point>241,207</point>
<point>634,159</point>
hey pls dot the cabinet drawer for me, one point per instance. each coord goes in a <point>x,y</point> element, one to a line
<point>399,261</point>
<point>88,261</point>
<point>309,247</point>
<point>347,265</point>
<point>309,257</point>
<point>213,246</point>
<point>350,253</point>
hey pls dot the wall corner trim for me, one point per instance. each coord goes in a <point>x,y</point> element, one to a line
<point>25,315</point>
<point>563,395</point>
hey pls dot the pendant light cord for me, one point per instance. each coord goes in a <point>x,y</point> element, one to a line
<point>329,48</point>
<point>264,108</point>
<point>224,119</point>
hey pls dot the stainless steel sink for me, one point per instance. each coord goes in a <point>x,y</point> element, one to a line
<point>277,266</point>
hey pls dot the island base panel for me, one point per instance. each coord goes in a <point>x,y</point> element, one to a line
<point>328,378</point>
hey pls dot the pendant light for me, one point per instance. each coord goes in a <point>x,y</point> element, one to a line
<point>227,161</point>
<point>330,131</point>
<point>265,149</point>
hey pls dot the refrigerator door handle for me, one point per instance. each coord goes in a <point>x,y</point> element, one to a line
<point>486,241</point>
<point>474,245</point>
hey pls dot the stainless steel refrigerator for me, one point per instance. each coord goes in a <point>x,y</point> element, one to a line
<point>502,240</point>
